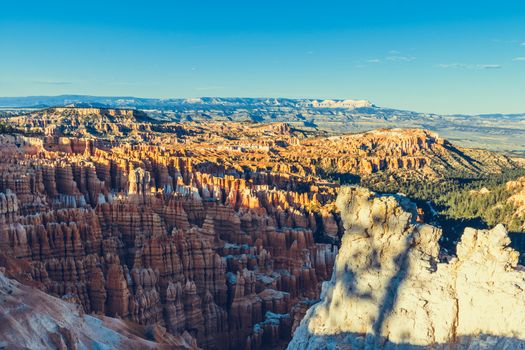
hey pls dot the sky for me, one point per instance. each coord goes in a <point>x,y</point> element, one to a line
<point>429,56</point>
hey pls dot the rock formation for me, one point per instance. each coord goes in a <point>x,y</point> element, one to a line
<point>32,319</point>
<point>220,231</point>
<point>285,150</point>
<point>391,290</point>
<point>142,234</point>
<point>83,122</point>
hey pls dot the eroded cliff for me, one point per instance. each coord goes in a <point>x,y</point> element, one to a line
<point>221,230</point>
<point>147,235</point>
<point>32,319</point>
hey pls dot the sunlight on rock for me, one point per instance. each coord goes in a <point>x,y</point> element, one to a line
<point>390,290</point>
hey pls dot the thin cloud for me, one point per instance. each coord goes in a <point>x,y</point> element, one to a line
<point>469,66</point>
<point>51,82</point>
<point>452,65</point>
<point>522,58</point>
<point>400,58</point>
<point>394,56</point>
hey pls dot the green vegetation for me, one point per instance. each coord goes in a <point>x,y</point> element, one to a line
<point>491,206</point>
<point>332,174</point>
<point>461,197</point>
<point>7,128</point>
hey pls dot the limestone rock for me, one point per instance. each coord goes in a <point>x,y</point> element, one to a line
<point>389,289</point>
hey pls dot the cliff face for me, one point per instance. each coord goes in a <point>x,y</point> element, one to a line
<point>33,319</point>
<point>152,237</point>
<point>389,289</point>
<point>410,153</point>
<point>97,122</point>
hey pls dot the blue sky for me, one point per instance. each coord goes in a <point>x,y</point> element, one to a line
<point>431,56</point>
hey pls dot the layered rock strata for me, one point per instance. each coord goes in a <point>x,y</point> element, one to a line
<point>32,319</point>
<point>139,234</point>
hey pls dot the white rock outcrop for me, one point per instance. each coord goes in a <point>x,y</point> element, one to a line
<point>389,290</point>
<point>348,104</point>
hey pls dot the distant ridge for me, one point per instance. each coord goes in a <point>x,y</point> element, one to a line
<point>154,103</point>
<point>497,132</point>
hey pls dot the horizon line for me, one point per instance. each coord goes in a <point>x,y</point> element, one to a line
<point>244,97</point>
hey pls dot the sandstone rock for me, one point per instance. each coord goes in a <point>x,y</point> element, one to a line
<point>31,318</point>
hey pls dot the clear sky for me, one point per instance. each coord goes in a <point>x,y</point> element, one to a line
<point>431,56</point>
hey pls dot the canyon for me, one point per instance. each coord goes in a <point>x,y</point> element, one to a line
<point>213,234</point>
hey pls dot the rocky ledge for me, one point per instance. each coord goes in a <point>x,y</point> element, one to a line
<point>390,289</point>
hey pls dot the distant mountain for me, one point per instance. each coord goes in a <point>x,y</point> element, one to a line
<point>497,132</point>
<point>154,103</point>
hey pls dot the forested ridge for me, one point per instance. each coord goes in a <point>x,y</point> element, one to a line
<point>486,198</point>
